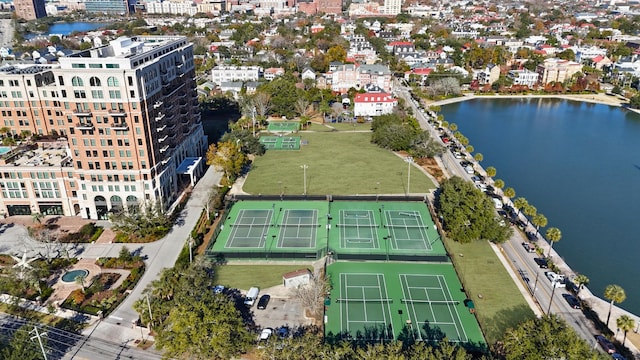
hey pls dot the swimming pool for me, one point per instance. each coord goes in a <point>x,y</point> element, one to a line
<point>4,149</point>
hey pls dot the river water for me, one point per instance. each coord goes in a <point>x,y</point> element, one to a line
<point>579,165</point>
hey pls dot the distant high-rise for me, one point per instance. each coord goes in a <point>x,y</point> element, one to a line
<point>392,7</point>
<point>30,9</point>
<point>108,6</point>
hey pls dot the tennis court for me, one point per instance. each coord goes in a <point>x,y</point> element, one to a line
<point>250,229</point>
<point>280,142</point>
<point>407,230</point>
<point>299,228</point>
<point>283,126</point>
<point>430,305</point>
<point>358,229</point>
<point>365,310</point>
<point>377,301</point>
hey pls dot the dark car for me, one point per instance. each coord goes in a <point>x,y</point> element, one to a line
<point>606,344</point>
<point>263,302</point>
<point>572,301</point>
<point>542,262</point>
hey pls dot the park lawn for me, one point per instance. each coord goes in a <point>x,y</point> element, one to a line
<point>345,126</point>
<point>245,276</point>
<point>339,163</point>
<point>501,305</point>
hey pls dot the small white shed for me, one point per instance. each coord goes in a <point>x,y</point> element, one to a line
<point>296,278</point>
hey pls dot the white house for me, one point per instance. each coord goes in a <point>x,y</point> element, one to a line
<point>523,77</point>
<point>373,104</point>
<point>221,74</point>
<point>296,278</point>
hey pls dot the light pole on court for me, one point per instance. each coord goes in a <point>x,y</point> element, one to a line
<point>304,174</point>
<point>409,160</point>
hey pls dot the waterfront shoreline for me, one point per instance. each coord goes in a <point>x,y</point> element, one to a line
<point>597,304</point>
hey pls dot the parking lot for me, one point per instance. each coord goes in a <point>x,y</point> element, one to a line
<point>279,312</point>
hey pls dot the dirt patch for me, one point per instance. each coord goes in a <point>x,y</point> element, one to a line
<point>432,167</point>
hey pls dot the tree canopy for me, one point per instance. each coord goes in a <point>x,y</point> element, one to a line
<point>468,213</point>
<point>546,338</point>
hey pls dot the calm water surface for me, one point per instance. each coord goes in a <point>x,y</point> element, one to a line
<point>579,165</point>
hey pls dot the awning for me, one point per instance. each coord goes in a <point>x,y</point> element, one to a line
<point>188,165</point>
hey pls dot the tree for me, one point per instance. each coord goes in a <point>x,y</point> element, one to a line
<point>499,183</point>
<point>520,203</point>
<point>548,337</point>
<point>336,53</point>
<point>262,103</point>
<point>478,157</point>
<point>148,222</point>
<point>22,347</point>
<point>229,159</point>
<point>453,127</point>
<point>554,235</point>
<point>625,323</point>
<point>312,295</point>
<point>580,280</point>
<point>491,171</point>
<point>469,148</point>
<point>467,213</point>
<point>37,217</point>
<point>615,294</point>
<point>539,221</point>
<point>509,192</point>
<point>530,210</point>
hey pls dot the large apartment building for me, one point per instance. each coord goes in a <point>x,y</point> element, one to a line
<point>125,122</point>
<point>30,9</point>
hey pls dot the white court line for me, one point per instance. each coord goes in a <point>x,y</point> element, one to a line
<point>466,338</point>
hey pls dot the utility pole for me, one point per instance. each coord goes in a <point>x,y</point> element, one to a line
<point>253,117</point>
<point>304,174</point>
<point>39,336</point>
<point>190,250</point>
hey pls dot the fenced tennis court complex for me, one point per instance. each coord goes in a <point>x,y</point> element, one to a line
<point>280,142</point>
<point>385,301</point>
<point>357,230</point>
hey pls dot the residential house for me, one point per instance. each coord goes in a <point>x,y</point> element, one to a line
<point>272,73</point>
<point>373,104</point>
<point>308,73</point>
<point>523,77</point>
<point>489,75</point>
<point>223,73</point>
<point>557,70</point>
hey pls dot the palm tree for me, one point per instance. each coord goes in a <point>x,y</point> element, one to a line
<point>469,148</point>
<point>491,171</point>
<point>509,192</point>
<point>530,210</point>
<point>553,234</point>
<point>625,323</point>
<point>539,221</point>
<point>520,203</point>
<point>453,127</point>
<point>499,183</point>
<point>580,280</point>
<point>614,293</point>
<point>479,157</point>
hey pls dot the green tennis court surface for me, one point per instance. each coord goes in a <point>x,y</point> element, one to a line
<point>385,301</point>
<point>280,142</point>
<point>357,230</point>
<point>283,126</point>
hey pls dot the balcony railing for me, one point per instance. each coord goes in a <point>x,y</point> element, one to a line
<point>117,112</point>
<point>160,117</point>
<point>81,112</point>
<point>119,126</point>
<point>161,128</point>
<point>84,126</point>
<point>164,148</point>
<point>163,139</point>
<point>157,104</point>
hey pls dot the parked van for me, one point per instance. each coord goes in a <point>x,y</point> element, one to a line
<point>251,296</point>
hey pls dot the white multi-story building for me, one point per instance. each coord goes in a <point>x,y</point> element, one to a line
<point>223,73</point>
<point>171,7</point>
<point>392,7</point>
<point>373,104</point>
<point>523,77</point>
<point>124,124</point>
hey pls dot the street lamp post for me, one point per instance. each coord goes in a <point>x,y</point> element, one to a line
<point>253,120</point>
<point>304,174</point>
<point>555,285</point>
<point>409,161</point>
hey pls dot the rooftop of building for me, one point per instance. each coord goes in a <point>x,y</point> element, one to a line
<point>41,154</point>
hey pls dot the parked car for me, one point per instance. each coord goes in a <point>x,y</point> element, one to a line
<point>263,302</point>
<point>606,344</point>
<point>528,247</point>
<point>266,334</point>
<point>218,289</point>
<point>542,263</point>
<point>617,356</point>
<point>572,301</point>
<point>557,280</point>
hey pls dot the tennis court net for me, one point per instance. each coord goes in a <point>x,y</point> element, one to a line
<point>293,225</point>
<point>432,302</point>
<point>342,300</point>
<point>358,225</point>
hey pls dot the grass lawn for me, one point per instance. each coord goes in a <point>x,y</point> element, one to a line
<point>338,163</point>
<point>502,305</point>
<point>246,276</point>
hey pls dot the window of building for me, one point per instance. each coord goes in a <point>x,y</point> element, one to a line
<point>112,81</point>
<point>77,81</point>
<point>94,81</point>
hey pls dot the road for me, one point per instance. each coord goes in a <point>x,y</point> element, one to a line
<point>521,262</point>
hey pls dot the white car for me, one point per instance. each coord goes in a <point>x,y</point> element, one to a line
<point>557,280</point>
<point>266,334</point>
<point>469,169</point>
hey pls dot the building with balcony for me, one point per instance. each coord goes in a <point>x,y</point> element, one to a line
<point>523,77</point>
<point>126,125</point>
<point>373,104</point>
<point>30,9</point>
<point>222,73</point>
<point>557,70</point>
